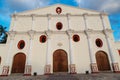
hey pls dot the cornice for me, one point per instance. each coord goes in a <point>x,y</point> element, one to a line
<point>55,15</point>
<point>47,32</point>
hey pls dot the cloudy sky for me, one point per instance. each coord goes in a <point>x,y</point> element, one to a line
<point>112,7</point>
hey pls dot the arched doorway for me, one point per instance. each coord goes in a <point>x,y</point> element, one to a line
<point>19,63</point>
<point>60,61</point>
<point>102,61</point>
<point>0,60</point>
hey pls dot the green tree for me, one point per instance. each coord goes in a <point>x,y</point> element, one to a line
<point>3,35</point>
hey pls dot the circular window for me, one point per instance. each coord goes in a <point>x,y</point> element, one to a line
<point>76,38</point>
<point>99,42</point>
<point>58,10</point>
<point>21,44</point>
<point>43,38</point>
<point>59,25</point>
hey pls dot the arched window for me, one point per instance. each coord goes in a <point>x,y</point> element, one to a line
<point>21,44</point>
<point>99,42</point>
<point>76,38</point>
<point>58,10</point>
<point>59,25</point>
<point>43,38</point>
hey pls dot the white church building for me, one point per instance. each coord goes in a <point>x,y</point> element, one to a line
<point>59,38</point>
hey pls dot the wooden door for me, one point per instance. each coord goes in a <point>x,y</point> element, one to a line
<point>0,60</point>
<point>102,61</point>
<point>60,61</point>
<point>19,63</point>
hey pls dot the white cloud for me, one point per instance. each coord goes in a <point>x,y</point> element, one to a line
<point>110,6</point>
<point>21,5</point>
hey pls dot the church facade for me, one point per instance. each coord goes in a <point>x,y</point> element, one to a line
<point>59,38</point>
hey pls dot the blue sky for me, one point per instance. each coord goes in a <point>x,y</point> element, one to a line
<point>112,7</point>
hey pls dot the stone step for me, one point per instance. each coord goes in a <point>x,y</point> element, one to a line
<point>62,77</point>
<point>98,76</point>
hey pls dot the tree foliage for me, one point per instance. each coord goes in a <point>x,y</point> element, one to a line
<point>3,35</point>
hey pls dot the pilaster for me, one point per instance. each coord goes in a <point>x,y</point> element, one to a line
<point>28,66</point>
<point>72,64</point>
<point>5,70</point>
<point>93,64</point>
<point>47,70</point>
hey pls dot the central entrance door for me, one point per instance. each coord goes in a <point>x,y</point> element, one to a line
<point>102,61</point>
<point>60,61</point>
<point>19,63</point>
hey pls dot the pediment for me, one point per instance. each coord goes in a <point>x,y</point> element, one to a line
<point>65,10</point>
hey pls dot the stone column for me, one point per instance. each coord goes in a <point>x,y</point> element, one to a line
<point>72,64</point>
<point>48,63</point>
<point>93,65</point>
<point>28,66</point>
<point>7,63</point>
<point>48,33</point>
<point>70,32</point>
<point>107,31</point>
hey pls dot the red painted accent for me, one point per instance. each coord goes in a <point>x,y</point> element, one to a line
<point>48,74</point>
<point>0,59</point>
<point>116,71</point>
<point>76,38</point>
<point>59,25</point>
<point>3,75</point>
<point>21,44</point>
<point>58,10</point>
<point>73,72</point>
<point>27,75</point>
<point>99,42</point>
<point>43,38</point>
<point>94,72</point>
<point>119,52</point>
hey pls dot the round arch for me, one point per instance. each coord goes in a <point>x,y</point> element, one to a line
<point>102,61</point>
<point>60,61</point>
<point>18,65</point>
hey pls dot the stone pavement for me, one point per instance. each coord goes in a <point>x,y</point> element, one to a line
<point>98,76</point>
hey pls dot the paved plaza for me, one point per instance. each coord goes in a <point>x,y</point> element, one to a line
<point>99,76</point>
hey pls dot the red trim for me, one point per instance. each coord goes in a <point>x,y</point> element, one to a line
<point>19,43</point>
<point>99,41</point>
<point>0,59</point>
<point>58,10</point>
<point>59,25</point>
<point>43,38</point>
<point>119,52</point>
<point>3,75</point>
<point>116,71</point>
<point>73,72</point>
<point>27,75</point>
<point>76,38</point>
<point>48,74</point>
<point>94,72</point>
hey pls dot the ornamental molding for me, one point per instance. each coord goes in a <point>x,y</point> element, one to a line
<point>91,31</point>
<point>54,15</point>
<point>31,33</point>
<point>12,34</point>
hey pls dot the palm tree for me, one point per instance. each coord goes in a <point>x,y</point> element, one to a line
<point>3,35</point>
